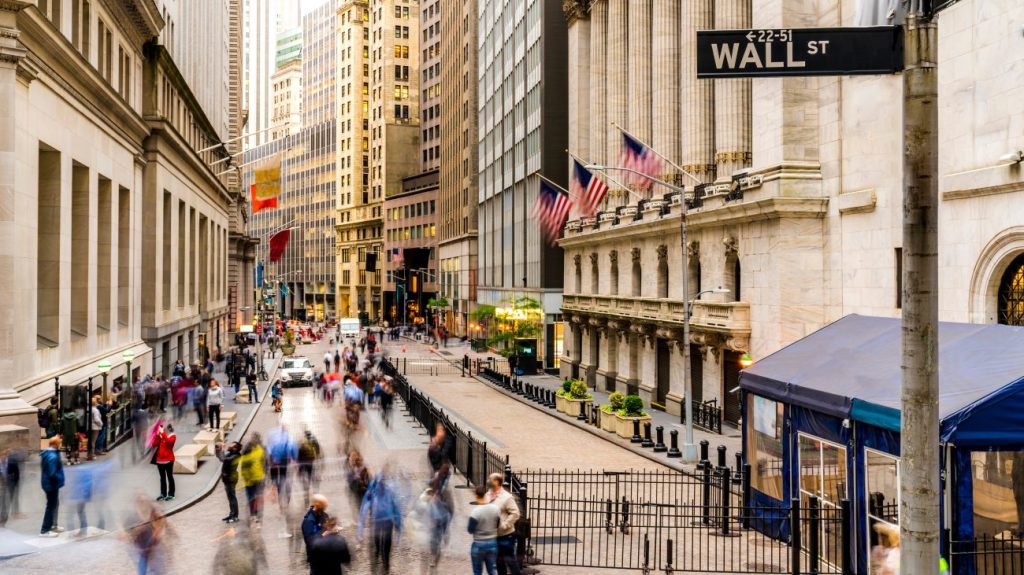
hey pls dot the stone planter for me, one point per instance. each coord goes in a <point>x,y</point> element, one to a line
<point>624,425</point>
<point>572,406</point>
<point>288,349</point>
<point>560,403</point>
<point>608,421</point>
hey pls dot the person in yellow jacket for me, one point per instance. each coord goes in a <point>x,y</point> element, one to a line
<point>252,467</point>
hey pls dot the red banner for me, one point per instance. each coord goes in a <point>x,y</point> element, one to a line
<point>278,242</point>
<point>258,204</point>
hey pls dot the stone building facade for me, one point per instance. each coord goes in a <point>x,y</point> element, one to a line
<point>116,227</point>
<point>793,193</point>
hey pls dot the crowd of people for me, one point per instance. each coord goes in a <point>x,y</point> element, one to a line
<point>276,469</point>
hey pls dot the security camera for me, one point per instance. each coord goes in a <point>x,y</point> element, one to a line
<point>1012,157</point>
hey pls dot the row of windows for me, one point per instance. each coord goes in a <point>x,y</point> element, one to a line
<point>412,233</point>
<point>416,210</point>
<point>432,153</point>
<point>401,32</point>
<point>401,51</point>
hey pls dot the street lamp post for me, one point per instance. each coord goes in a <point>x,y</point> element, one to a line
<point>689,448</point>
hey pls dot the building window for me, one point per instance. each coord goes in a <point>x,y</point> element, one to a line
<point>636,272</point>
<point>733,276</point>
<point>613,274</point>
<point>48,236</point>
<point>663,271</point>
<point>1011,293</point>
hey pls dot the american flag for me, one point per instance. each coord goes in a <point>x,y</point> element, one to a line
<point>551,210</point>
<point>588,189</point>
<point>397,256</point>
<point>639,157</point>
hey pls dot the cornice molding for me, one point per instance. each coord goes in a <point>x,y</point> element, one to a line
<point>575,10</point>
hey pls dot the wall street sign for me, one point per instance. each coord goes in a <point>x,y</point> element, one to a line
<point>799,52</point>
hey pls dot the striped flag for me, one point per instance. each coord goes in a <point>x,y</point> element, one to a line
<point>588,189</point>
<point>639,157</point>
<point>397,256</point>
<point>551,210</point>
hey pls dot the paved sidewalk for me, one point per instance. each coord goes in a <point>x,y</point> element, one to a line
<point>455,352</point>
<point>127,475</point>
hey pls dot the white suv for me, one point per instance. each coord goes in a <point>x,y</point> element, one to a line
<point>296,371</point>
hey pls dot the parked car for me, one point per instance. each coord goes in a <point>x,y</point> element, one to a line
<point>296,372</point>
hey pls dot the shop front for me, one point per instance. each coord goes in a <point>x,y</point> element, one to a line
<point>822,419</point>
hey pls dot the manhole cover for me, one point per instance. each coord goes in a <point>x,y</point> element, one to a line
<point>554,540</point>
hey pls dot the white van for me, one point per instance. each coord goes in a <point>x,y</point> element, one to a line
<point>348,328</point>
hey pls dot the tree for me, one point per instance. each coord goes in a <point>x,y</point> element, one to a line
<point>522,319</point>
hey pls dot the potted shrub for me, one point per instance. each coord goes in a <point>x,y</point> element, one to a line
<point>615,401</point>
<point>562,394</point>
<point>578,395</point>
<point>289,343</point>
<point>632,408</point>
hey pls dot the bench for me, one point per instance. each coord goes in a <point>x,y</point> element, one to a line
<point>230,417</point>
<point>207,439</point>
<point>186,458</point>
<point>225,427</point>
<point>241,397</point>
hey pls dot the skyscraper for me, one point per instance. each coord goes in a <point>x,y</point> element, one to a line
<point>457,196</point>
<point>522,106</point>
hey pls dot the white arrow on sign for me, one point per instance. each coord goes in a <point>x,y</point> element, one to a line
<point>751,36</point>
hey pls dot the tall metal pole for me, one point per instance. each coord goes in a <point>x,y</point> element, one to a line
<point>919,473</point>
<point>689,448</point>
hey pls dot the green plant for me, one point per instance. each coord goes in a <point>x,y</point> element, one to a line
<point>633,406</point>
<point>578,390</point>
<point>606,408</point>
<point>616,400</point>
<point>521,320</point>
<point>566,385</point>
<point>562,393</point>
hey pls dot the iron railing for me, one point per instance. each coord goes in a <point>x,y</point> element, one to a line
<point>987,555</point>
<point>707,415</point>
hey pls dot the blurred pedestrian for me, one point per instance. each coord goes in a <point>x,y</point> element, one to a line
<point>229,476</point>
<point>327,362</point>
<point>10,477</point>
<point>199,404</point>
<point>140,423</point>
<point>483,524</point>
<point>251,467</point>
<point>329,550</point>
<point>508,515</point>
<point>52,418</point>
<point>101,440</point>
<point>163,458</point>
<point>241,552</point>
<point>282,452</point>
<point>214,399</point>
<point>309,456</point>
<point>380,507</point>
<point>52,480</point>
<point>250,384</point>
<point>357,475</point>
<point>148,537</point>
<point>69,433</point>
<point>440,448</point>
<point>313,522</point>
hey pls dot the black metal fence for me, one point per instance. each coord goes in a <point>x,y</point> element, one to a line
<point>471,456</point>
<point>427,366</point>
<point>988,555</point>
<point>707,415</point>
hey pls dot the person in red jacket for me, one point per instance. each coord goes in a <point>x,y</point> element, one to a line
<point>164,460</point>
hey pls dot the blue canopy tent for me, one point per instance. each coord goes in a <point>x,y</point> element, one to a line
<point>832,400</point>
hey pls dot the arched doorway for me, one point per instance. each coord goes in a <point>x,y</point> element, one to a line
<point>1011,293</point>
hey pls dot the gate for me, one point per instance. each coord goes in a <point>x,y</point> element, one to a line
<point>671,522</point>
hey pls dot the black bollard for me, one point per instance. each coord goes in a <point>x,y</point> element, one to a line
<point>737,476</point>
<point>593,415</point>
<point>673,451</point>
<point>721,456</point>
<point>724,515</point>
<point>550,399</point>
<point>659,446</point>
<point>648,442</point>
<point>704,445</point>
<point>583,412</point>
<point>705,518</point>
<point>636,432</point>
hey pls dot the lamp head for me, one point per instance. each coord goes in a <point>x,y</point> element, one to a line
<point>1014,157</point>
<point>746,361</point>
<point>104,367</point>
<point>595,167</point>
<point>720,289</point>
<point>128,355</point>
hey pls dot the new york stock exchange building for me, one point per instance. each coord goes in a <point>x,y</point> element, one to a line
<point>793,192</point>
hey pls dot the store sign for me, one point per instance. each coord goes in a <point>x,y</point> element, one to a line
<point>799,52</point>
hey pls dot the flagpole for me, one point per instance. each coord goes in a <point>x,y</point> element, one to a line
<point>541,176</point>
<point>607,175</point>
<point>660,155</point>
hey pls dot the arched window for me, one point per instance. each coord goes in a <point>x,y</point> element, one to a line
<point>636,272</point>
<point>614,273</point>
<point>732,276</point>
<point>662,271</point>
<point>1011,293</point>
<point>578,284</point>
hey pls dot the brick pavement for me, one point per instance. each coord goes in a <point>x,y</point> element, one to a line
<point>454,352</point>
<point>128,476</point>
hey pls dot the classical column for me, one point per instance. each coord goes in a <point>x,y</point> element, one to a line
<point>698,112</point>
<point>598,74</point>
<point>18,427</point>
<point>639,42</point>
<point>579,77</point>
<point>665,83</point>
<point>617,77</point>
<point>732,100</point>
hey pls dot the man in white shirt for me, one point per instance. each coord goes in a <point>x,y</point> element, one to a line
<point>508,515</point>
